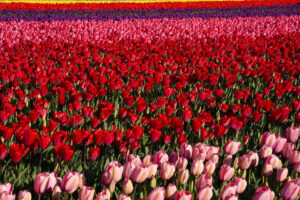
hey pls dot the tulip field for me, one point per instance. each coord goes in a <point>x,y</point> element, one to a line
<point>152,100</point>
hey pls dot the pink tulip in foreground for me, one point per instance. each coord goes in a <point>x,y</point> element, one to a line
<point>226,172</point>
<point>70,182</point>
<point>265,151</point>
<point>205,193</point>
<point>86,193</point>
<point>24,195</point>
<point>203,181</point>
<point>7,196</point>
<point>183,176</point>
<point>292,134</point>
<point>124,197</point>
<point>171,191</point>
<point>183,195</point>
<point>157,194</point>
<point>139,174</point>
<point>197,167</point>
<point>104,195</point>
<point>167,170</point>
<point>44,182</point>
<point>127,186</point>
<point>290,191</point>
<point>8,187</point>
<point>229,190</point>
<point>241,184</point>
<point>282,174</point>
<point>231,147</point>
<point>263,193</point>
<point>185,150</point>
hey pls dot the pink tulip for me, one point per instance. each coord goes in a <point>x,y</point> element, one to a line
<point>44,182</point>
<point>167,170</point>
<point>254,158</point>
<point>7,196</point>
<point>127,171</point>
<point>134,160</point>
<point>212,150</point>
<point>124,197</point>
<point>265,151</point>
<point>241,184</point>
<point>183,176</point>
<point>295,157</point>
<point>140,174</point>
<point>197,167</point>
<point>203,181</point>
<point>279,144</point>
<point>263,193</point>
<point>104,195</point>
<point>199,151</point>
<point>171,191</point>
<point>297,181</point>
<point>290,191</point>
<point>288,150</point>
<point>86,193</point>
<point>152,169</point>
<point>292,134</point>
<point>268,139</point>
<point>226,172</point>
<point>56,193</point>
<point>214,158</point>
<point>182,163</point>
<point>185,150</point>
<point>231,147</point>
<point>70,182</point>
<point>127,186</point>
<point>24,195</point>
<point>209,167</point>
<point>174,158</point>
<point>296,167</point>
<point>157,194</point>
<point>267,169</point>
<point>205,193</point>
<point>282,174</point>
<point>245,162</point>
<point>233,197</point>
<point>229,190</point>
<point>8,188</point>
<point>160,157</point>
<point>147,160</point>
<point>183,195</point>
<point>228,160</point>
<point>115,171</point>
<point>274,161</point>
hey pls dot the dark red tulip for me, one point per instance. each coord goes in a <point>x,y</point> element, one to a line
<point>94,153</point>
<point>64,151</point>
<point>3,151</point>
<point>44,141</point>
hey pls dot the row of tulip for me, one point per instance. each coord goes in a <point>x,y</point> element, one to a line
<point>141,5</point>
<point>13,32</point>
<point>195,169</point>
<point>69,15</point>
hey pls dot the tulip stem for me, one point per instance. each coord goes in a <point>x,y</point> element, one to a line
<point>134,191</point>
<point>40,162</point>
<point>249,176</point>
<point>39,197</point>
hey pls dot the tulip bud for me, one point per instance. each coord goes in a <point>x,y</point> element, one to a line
<point>183,176</point>
<point>267,169</point>
<point>112,187</point>
<point>292,134</point>
<point>7,196</point>
<point>236,163</point>
<point>127,186</point>
<point>182,163</point>
<point>209,167</point>
<point>167,170</point>
<point>263,193</point>
<point>124,197</point>
<point>231,147</point>
<point>70,182</point>
<point>229,190</point>
<point>265,151</point>
<point>153,182</point>
<point>171,191</point>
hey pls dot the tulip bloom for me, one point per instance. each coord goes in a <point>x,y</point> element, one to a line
<point>226,172</point>
<point>241,184</point>
<point>183,176</point>
<point>282,174</point>
<point>70,182</point>
<point>290,191</point>
<point>8,188</point>
<point>197,167</point>
<point>183,195</point>
<point>205,193</point>
<point>7,196</point>
<point>203,181</point>
<point>124,197</point>
<point>171,191</point>
<point>292,134</point>
<point>157,194</point>
<point>140,174</point>
<point>231,147</point>
<point>167,170</point>
<point>44,182</point>
<point>265,151</point>
<point>24,195</point>
<point>127,186</point>
<point>263,193</point>
<point>86,193</point>
<point>229,190</point>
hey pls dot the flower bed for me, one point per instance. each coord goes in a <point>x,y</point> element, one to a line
<point>150,103</point>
